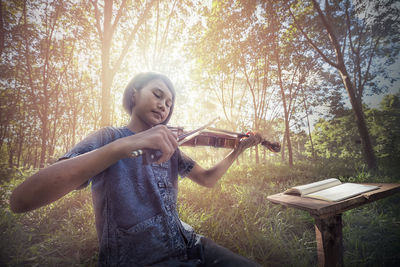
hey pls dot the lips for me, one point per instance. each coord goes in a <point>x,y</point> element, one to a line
<point>158,114</point>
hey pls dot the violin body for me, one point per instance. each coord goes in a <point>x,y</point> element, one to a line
<point>222,139</point>
<point>214,138</point>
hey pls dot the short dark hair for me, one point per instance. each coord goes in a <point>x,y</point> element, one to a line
<point>140,81</point>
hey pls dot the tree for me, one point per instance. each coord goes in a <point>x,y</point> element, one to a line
<point>294,73</point>
<point>43,37</point>
<point>107,21</point>
<point>351,48</point>
<point>385,130</point>
<point>2,30</point>
<point>337,138</point>
<point>47,58</point>
<point>233,54</point>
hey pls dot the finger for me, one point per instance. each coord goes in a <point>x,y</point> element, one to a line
<point>173,138</point>
<point>168,136</point>
<point>169,144</point>
<point>164,140</point>
<point>252,140</point>
<point>169,132</point>
<point>155,140</point>
<point>166,147</point>
<point>257,138</point>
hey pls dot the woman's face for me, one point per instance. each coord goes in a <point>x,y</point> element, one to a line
<point>152,103</point>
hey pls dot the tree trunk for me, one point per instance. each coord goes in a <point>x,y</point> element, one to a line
<point>20,138</point>
<point>106,74</point>
<point>369,154</point>
<point>43,139</point>
<point>283,147</point>
<point>107,71</point>
<point>10,151</point>
<point>257,156</point>
<point>53,131</point>
<point>308,126</point>
<point>285,110</point>
<point>2,31</point>
<point>286,107</point>
<point>35,157</point>
<point>264,156</point>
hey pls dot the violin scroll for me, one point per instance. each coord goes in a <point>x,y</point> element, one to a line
<point>272,146</point>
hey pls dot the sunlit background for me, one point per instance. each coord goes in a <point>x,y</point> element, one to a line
<point>269,66</point>
<point>257,65</point>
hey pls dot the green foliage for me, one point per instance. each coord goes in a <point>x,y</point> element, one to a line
<point>338,138</point>
<point>385,129</point>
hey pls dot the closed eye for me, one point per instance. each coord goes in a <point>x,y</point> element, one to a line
<point>161,95</point>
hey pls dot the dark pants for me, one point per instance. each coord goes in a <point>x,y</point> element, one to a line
<point>206,253</point>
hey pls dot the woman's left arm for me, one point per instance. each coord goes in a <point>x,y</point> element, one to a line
<point>209,177</point>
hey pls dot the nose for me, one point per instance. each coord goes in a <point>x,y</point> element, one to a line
<point>161,105</point>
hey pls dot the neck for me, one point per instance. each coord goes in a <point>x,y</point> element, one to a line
<point>136,125</point>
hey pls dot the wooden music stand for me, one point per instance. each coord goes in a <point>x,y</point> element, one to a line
<point>328,218</point>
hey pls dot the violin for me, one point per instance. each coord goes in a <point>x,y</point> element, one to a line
<point>212,137</point>
<point>220,138</point>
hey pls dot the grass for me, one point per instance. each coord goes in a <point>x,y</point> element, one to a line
<point>60,234</point>
<point>235,214</point>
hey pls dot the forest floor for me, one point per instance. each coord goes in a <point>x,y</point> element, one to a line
<point>235,214</point>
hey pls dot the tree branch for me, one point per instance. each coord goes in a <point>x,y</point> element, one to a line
<point>97,17</point>
<point>117,18</point>
<point>132,35</point>
<point>331,35</point>
<point>310,42</point>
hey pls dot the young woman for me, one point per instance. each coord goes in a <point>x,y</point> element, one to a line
<point>135,204</point>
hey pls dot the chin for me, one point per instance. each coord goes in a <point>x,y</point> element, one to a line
<point>153,123</point>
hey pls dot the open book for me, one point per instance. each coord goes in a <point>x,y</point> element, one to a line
<point>330,190</point>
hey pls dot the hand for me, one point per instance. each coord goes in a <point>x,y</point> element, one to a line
<point>157,138</point>
<point>253,140</point>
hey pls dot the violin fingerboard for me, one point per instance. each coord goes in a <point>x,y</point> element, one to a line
<point>213,141</point>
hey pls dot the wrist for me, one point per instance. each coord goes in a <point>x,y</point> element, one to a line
<point>237,151</point>
<point>131,146</point>
<point>122,148</point>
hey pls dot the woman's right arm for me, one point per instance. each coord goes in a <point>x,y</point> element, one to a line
<point>57,180</point>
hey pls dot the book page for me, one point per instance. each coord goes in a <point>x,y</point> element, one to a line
<point>341,192</point>
<point>313,187</point>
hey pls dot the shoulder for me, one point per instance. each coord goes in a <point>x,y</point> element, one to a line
<point>112,133</point>
<point>97,139</point>
<point>104,136</point>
